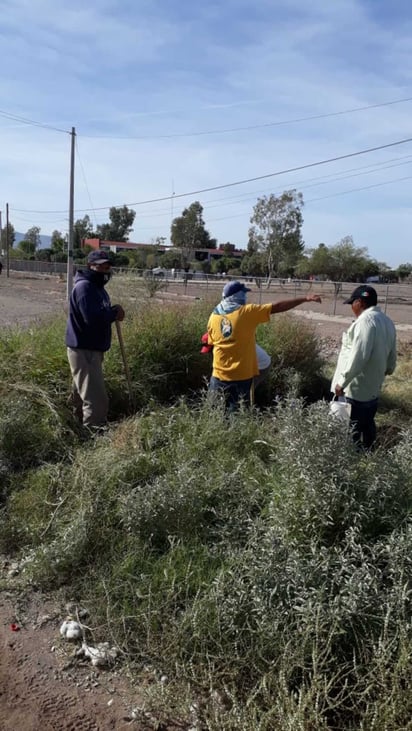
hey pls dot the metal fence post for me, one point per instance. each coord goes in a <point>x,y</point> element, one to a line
<point>337,286</point>
<point>386,298</point>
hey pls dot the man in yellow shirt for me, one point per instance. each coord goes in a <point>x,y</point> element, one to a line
<point>232,332</point>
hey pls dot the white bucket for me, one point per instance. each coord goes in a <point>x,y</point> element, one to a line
<point>341,409</point>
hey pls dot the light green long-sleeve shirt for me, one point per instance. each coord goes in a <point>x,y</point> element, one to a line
<point>367,355</point>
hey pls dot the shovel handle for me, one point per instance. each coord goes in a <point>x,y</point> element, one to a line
<point>124,359</point>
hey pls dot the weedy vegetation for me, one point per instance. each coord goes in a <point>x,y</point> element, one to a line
<point>260,563</point>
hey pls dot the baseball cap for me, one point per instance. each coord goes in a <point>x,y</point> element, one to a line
<point>98,257</point>
<point>364,292</point>
<point>232,287</point>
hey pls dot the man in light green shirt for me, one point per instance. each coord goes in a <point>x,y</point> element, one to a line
<point>367,355</point>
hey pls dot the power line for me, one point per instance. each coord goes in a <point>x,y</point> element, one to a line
<point>245,198</point>
<point>366,187</point>
<point>239,182</point>
<point>308,183</point>
<point>325,197</point>
<point>311,200</point>
<point>85,183</point>
<point>303,184</point>
<point>280,123</point>
<point>31,122</point>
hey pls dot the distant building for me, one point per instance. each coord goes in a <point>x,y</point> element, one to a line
<point>122,246</point>
<point>117,247</point>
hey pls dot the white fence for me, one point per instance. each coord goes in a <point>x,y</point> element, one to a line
<point>394,298</point>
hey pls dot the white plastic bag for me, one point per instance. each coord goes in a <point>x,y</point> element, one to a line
<point>340,408</point>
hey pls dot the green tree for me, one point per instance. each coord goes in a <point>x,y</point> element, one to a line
<point>79,255</point>
<point>82,229</point>
<point>170,259</point>
<point>137,258</point>
<point>254,264</point>
<point>120,260</point>
<point>343,262</point>
<point>58,247</point>
<point>12,236</point>
<point>349,263</point>
<point>120,226</point>
<point>225,264</point>
<point>188,232</point>
<point>321,261</point>
<point>276,231</point>
<point>404,271</point>
<point>26,248</point>
<point>44,255</point>
<point>32,236</point>
<point>58,242</point>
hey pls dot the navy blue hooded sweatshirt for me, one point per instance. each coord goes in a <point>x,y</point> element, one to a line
<point>90,313</point>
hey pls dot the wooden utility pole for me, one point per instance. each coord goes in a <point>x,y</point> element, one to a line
<point>7,242</point>
<point>71,217</point>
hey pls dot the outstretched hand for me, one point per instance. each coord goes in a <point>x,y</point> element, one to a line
<point>314,298</point>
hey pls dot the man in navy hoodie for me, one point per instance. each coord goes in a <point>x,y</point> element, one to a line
<point>88,337</point>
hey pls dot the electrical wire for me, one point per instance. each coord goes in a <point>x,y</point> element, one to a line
<point>307,166</point>
<point>325,197</point>
<point>246,200</point>
<point>311,200</point>
<point>31,122</point>
<point>355,190</point>
<point>280,123</point>
<point>85,182</point>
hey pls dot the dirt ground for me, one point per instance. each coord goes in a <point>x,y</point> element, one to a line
<point>40,685</point>
<point>46,686</point>
<point>25,300</point>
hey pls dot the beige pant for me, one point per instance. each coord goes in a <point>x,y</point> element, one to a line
<point>89,394</point>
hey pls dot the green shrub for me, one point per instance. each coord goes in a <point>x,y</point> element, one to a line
<point>260,558</point>
<point>33,502</point>
<point>324,489</point>
<point>296,359</point>
<point>32,429</point>
<point>162,345</point>
<point>36,355</point>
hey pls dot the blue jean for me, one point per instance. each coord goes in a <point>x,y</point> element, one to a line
<point>233,392</point>
<point>362,420</point>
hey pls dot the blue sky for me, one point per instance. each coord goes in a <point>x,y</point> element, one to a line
<point>141,80</point>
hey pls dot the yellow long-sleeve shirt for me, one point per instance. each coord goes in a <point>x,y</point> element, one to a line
<point>233,337</point>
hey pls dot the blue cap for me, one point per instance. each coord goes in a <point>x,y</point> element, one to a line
<point>99,257</point>
<point>233,287</point>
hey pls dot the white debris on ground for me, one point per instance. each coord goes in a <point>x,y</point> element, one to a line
<point>71,630</point>
<point>100,656</point>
